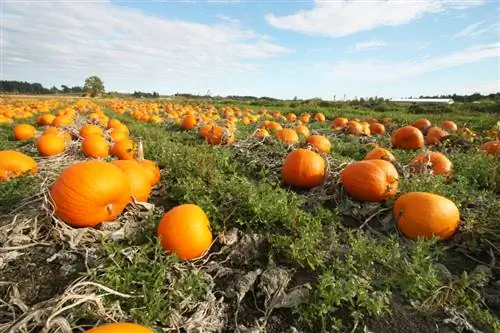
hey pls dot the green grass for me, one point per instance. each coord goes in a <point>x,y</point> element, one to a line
<point>356,275</point>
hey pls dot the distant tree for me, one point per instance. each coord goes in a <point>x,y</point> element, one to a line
<point>65,89</point>
<point>94,86</point>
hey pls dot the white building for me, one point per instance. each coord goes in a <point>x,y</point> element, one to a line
<point>423,100</point>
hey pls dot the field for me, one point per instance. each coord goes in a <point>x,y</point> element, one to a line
<point>283,258</point>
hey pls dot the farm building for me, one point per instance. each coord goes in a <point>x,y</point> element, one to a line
<point>423,100</point>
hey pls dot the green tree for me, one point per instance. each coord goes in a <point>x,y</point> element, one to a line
<point>94,86</point>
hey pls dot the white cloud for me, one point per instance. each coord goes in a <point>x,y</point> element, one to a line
<point>344,17</point>
<point>393,71</point>
<point>62,42</point>
<point>476,29</point>
<point>372,44</point>
<point>478,87</point>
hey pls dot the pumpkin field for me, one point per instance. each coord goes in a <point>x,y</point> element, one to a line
<point>201,216</point>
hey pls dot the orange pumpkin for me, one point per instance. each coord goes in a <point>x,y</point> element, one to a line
<point>291,117</point>
<point>220,136</point>
<point>434,161</point>
<point>287,135</point>
<point>124,149</point>
<point>449,126</point>
<point>422,124</point>
<point>434,135</point>
<point>321,143</point>
<point>112,123</point>
<point>139,180</point>
<point>46,119</point>
<point>319,117</point>
<point>303,168</point>
<point>189,121</point>
<point>302,130</point>
<point>95,146</point>
<point>62,121</point>
<point>273,126</point>
<point>377,129</point>
<point>118,135</point>
<point>353,127</point>
<point>339,122</point>
<point>152,170</point>
<point>491,147</point>
<point>24,132</point>
<point>421,214</point>
<point>185,231</point>
<point>370,180</point>
<point>261,133</point>
<point>120,328</point>
<point>407,137</point>
<point>88,193</point>
<point>88,130</point>
<point>14,164</point>
<point>50,144</point>
<point>380,154</point>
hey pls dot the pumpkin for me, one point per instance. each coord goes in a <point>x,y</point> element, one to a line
<point>117,135</point>
<point>303,168</point>
<point>273,126</point>
<point>339,122</point>
<point>113,123</point>
<point>88,193</point>
<point>189,121</point>
<point>380,154</point>
<point>377,129</point>
<point>261,133</point>
<point>421,214</point>
<point>62,121</point>
<point>95,146</point>
<point>434,161</point>
<point>205,130</point>
<point>407,137</point>
<point>370,180</point>
<point>24,132</point>
<point>46,119</point>
<point>422,124</point>
<point>124,149</point>
<point>291,117</point>
<point>150,168</point>
<point>491,147</point>
<point>120,328</point>
<point>14,164</point>
<point>287,135</point>
<point>139,180</point>
<point>50,144</point>
<point>449,126</point>
<point>321,143</point>
<point>89,130</point>
<point>185,231</point>
<point>434,135</point>
<point>353,127</point>
<point>302,130</point>
<point>220,136</point>
<point>319,117</point>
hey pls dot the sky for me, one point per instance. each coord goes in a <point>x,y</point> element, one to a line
<point>282,49</point>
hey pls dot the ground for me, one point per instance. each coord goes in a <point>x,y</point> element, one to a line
<point>284,259</point>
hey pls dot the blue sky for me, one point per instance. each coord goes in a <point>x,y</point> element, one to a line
<point>262,48</point>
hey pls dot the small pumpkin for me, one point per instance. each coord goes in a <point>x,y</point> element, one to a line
<point>303,168</point>
<point>321,143</point>
<point>261,133</point>
<point>407,137</point>
<point>380,154</point>
<point>91,192</point>
<point>60,121</point>
<point>139,180</point>
<point>24,132</point>
<point>117,135</point>
<point>370,180</point>
<point>287,135</point>
<point>302,130</point>
<point>189,121</point>
<point>435,135</point>
<point>120,328</point>
<point>377,129</point>
<point>353,127</point>
<point>339,122</point>
<point>220,136</point>
<point>436,162</point>
<point>50,144</point>
<point>449,126</point>
<point>46,119</point>
<point>273,126</point>
<point>89,129</point>
<point>319,117</point>
<point>422,124</point>
<point>421,214</point>
<point>95,146</point>
<point>291,117</point>
<point>185,231</point>
<point>14,164</point>
<point>124,149</point>
<point>491,147</point>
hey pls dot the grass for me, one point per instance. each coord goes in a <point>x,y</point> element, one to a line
<point>357,275</point>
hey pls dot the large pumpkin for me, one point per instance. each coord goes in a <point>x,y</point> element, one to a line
<point>438,163</point>
<point>137,177</point>
<point>14,164</point>
<point>321,143</point>
<point>303,168</point>
<point>120,328</point>
<point>421,214</point>
<point>287,135</point>
<point>422,124</point>
<point>185,231</point>
<point>51,144</point>
<point>24,132</point>
<point>339,122</point>
<point>407,137</point>
<point>434,135</point>
<point>370,180</point>
<point>124,149</point>
<point>95,146</point>
<point>88,193</point>
<point>380,154</point>
<point>88,130</point>
<point>189,121</point>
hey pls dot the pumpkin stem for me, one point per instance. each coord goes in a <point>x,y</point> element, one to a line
<point>140,151</point>
<point>109,208</point>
